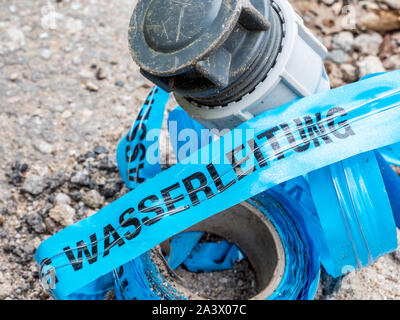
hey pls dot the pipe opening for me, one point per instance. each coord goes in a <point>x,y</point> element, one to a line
<point>251,231</point>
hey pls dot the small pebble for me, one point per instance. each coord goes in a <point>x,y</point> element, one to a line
<point>90,86</point>
<point>33,185</point>
<point>55,180</point>
<point>43,146</point>
<point>119,83</point>
<point>63,214</point>
<point>93,199</point>
<point>100,150</point>
<point>100,74</point>
<point>62,198</point>
<point>343,41</point>
<point>13,76</point>
<point>45,54</point>
<point>36,222</point>
<point>337,56</point>
<point>349,72</point>
<point>368,44</point>
<point>370,65</point>
<point>81,178</point>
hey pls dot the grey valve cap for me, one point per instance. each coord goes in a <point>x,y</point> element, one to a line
<point>202,48</point>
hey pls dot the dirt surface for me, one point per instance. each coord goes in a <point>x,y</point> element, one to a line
<point>69,91</point>
<point>236,284</point>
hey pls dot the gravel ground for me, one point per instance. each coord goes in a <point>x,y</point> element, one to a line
<point>70,91</point>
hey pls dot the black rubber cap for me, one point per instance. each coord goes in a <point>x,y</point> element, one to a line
<point>199,48</point>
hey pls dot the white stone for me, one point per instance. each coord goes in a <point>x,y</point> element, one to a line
<point>344,41</point>
<point>43,146</point>
<point>45,54</point>
<point>93,199</point>
<point>119,111</point>
<point>16,39</point>
<point>368,43</point>
<point>369,65</point>
<point>62,198</point>
<point>63,214</point>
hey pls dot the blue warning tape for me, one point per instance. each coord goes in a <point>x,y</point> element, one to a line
<point>288,206</point>
<point>303,138</point>
<point>392,154</point>
<point>358,225</point>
